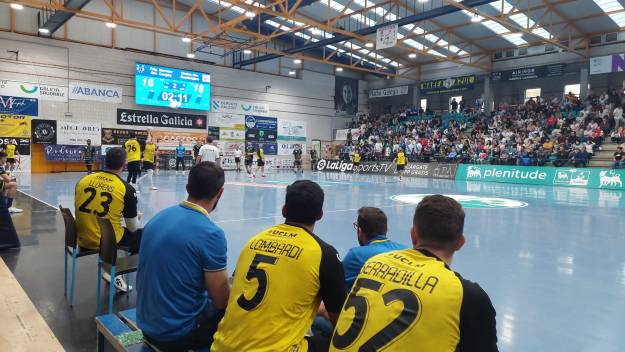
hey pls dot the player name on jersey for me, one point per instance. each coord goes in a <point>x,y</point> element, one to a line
<point>410,278</point>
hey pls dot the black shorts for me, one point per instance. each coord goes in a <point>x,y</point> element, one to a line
<point>356,163</point>
<point>260,162</point>
<point>11,160</point>
<point>401,167</point>
<point>237,160</point>
<point>148,165</point>
<point>249,162</point>
<point>298,162</point>
<point>89,161</point>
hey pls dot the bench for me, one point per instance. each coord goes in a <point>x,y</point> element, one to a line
<point>123,334</point>
<point>22,327</point>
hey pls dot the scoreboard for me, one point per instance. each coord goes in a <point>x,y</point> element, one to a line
<point>171,87</point>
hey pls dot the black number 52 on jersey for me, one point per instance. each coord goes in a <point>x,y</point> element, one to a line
<point>390,332</point>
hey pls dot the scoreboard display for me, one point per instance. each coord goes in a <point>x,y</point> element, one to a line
<point>171,87</point>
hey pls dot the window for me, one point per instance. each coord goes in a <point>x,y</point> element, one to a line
<point>458,100</point>
<point>532,93</point>
<point>573,88</point>
<point>424,104</point>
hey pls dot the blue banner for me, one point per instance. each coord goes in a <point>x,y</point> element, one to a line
<point>71,153</point>
<point>261,123</point>
<point>18,106</point>
<point>268,148</point>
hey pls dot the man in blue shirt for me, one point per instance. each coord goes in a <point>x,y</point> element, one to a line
<point>180,153</point>
<point>182,281</point>
<point>371,227</point>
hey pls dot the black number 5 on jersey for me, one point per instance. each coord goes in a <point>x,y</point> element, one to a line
<point>384,337</point>
<point>261,276</point>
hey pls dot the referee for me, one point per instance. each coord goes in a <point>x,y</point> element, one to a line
<point>439,311</point>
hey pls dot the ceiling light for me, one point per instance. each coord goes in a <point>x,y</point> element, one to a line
<point>369,45</point>
<point>476,18</point>
<point>191,55</point>
<point>44,31</point>
<point>412,55</point>
<point>247,51</point>
<point>111,24</point>
<point>16,6</point>
<point>423,0</point>
<point>292,73</point>
<point>250,14</point>
<point>186,39</point>
<point>339,69</point>
<point>297,61</point>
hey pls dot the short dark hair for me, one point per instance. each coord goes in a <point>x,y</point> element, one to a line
<point>3,154</point>
<point>115,158</point>
<point>372,221</point>
<point>132,134</point>
<point>209,140</point>
<point>303,202</point>
<point>439,220</point>
<point>205,180</point>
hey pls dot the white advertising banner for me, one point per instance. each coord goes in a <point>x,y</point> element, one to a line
<point>227,120</point>
<point>386,37</point>
<point>95,92</point>
<point>77,133</point>
<point>291,130</point>
<point>239,107</point>
<point>287,148</point>
<point>341,135</point>
<point>229,134</point>
<point>388,92</point>
<point>33,90</point>
<point>227,148</point>
<point>607,64</point>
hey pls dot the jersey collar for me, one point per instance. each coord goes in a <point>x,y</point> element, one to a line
<point>298,226</point>
<point>194,207</point>
<point>427,253</point>
<point>377,239</point>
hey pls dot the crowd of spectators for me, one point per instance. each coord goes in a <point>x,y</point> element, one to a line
<point>558,131</point>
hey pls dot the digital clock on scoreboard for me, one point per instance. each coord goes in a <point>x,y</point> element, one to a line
<point>172,87</point>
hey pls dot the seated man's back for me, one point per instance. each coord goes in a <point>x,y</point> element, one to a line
<point>282,275</point>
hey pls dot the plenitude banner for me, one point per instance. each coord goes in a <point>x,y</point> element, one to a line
<point>95,92</point>
<point>39,91</point>
<point>226,120</point>
<point>16,126</point>
<point>77,133</point>
<point>229,106</point>
<point>289,130</point>
<point>548,176</point>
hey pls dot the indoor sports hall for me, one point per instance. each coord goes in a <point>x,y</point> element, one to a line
<point>186,175</point>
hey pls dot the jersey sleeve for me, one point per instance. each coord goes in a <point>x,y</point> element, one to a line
<point>130,202</point>
<point>332,279</point>
<point>214,252</point>
<point>478,331</point>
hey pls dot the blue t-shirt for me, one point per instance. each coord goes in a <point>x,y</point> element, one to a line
<point>180,150</point>
<point>358,256</point>
<point>178,245</point>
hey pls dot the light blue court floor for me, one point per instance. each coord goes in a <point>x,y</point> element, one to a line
<point>551,259</point>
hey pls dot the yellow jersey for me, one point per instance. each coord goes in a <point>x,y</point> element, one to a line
<point>409,300</point>
<point>133,150</point>
<point>149,153</point>
<point>401,158</point>
<point>282,275</point>
<point>102,194</point>
<point>260,154</point>
<point>357,157</point>
<point>10,148</point>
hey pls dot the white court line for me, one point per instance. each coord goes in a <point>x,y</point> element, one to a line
<point>37,199</point>
<point>325,212</point>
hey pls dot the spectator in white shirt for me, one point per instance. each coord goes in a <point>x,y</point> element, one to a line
<point>209,152</point>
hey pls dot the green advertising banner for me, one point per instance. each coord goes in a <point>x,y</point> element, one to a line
<point>548,176</point>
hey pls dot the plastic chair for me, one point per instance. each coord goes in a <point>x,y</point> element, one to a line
<point>71,248</point>
<point>110,263</point>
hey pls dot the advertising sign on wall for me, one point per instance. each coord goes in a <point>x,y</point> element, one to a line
<point>231,134</point>
<point>291,130</point>
<point>425,170</point>
<point>227,120</point>
<point>77,133</point>
<point>23,144</point>
<point>172,138</point>
<point>213,132</point>
<point>19,105</point>
<point>345,95</point>
<point>18,126</point>
<point>160,119</point>
<point>67,153</point>
<point>239,107</point>
<point>341,135</point>
<point>44,131</point>
<point>388,92</point>
<point>448,85</point>
<point>261,129</point>
<point>550,176</point>
<point>287,148</point>
<point>386,37</point>
<point>529,73</point>
<point>95,92</point>
<point>33,90</point>
<point>607,64</point>
<point>119,136</point>
<point>270,148</point>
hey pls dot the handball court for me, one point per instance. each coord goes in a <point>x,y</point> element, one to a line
<point>551,259</point>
